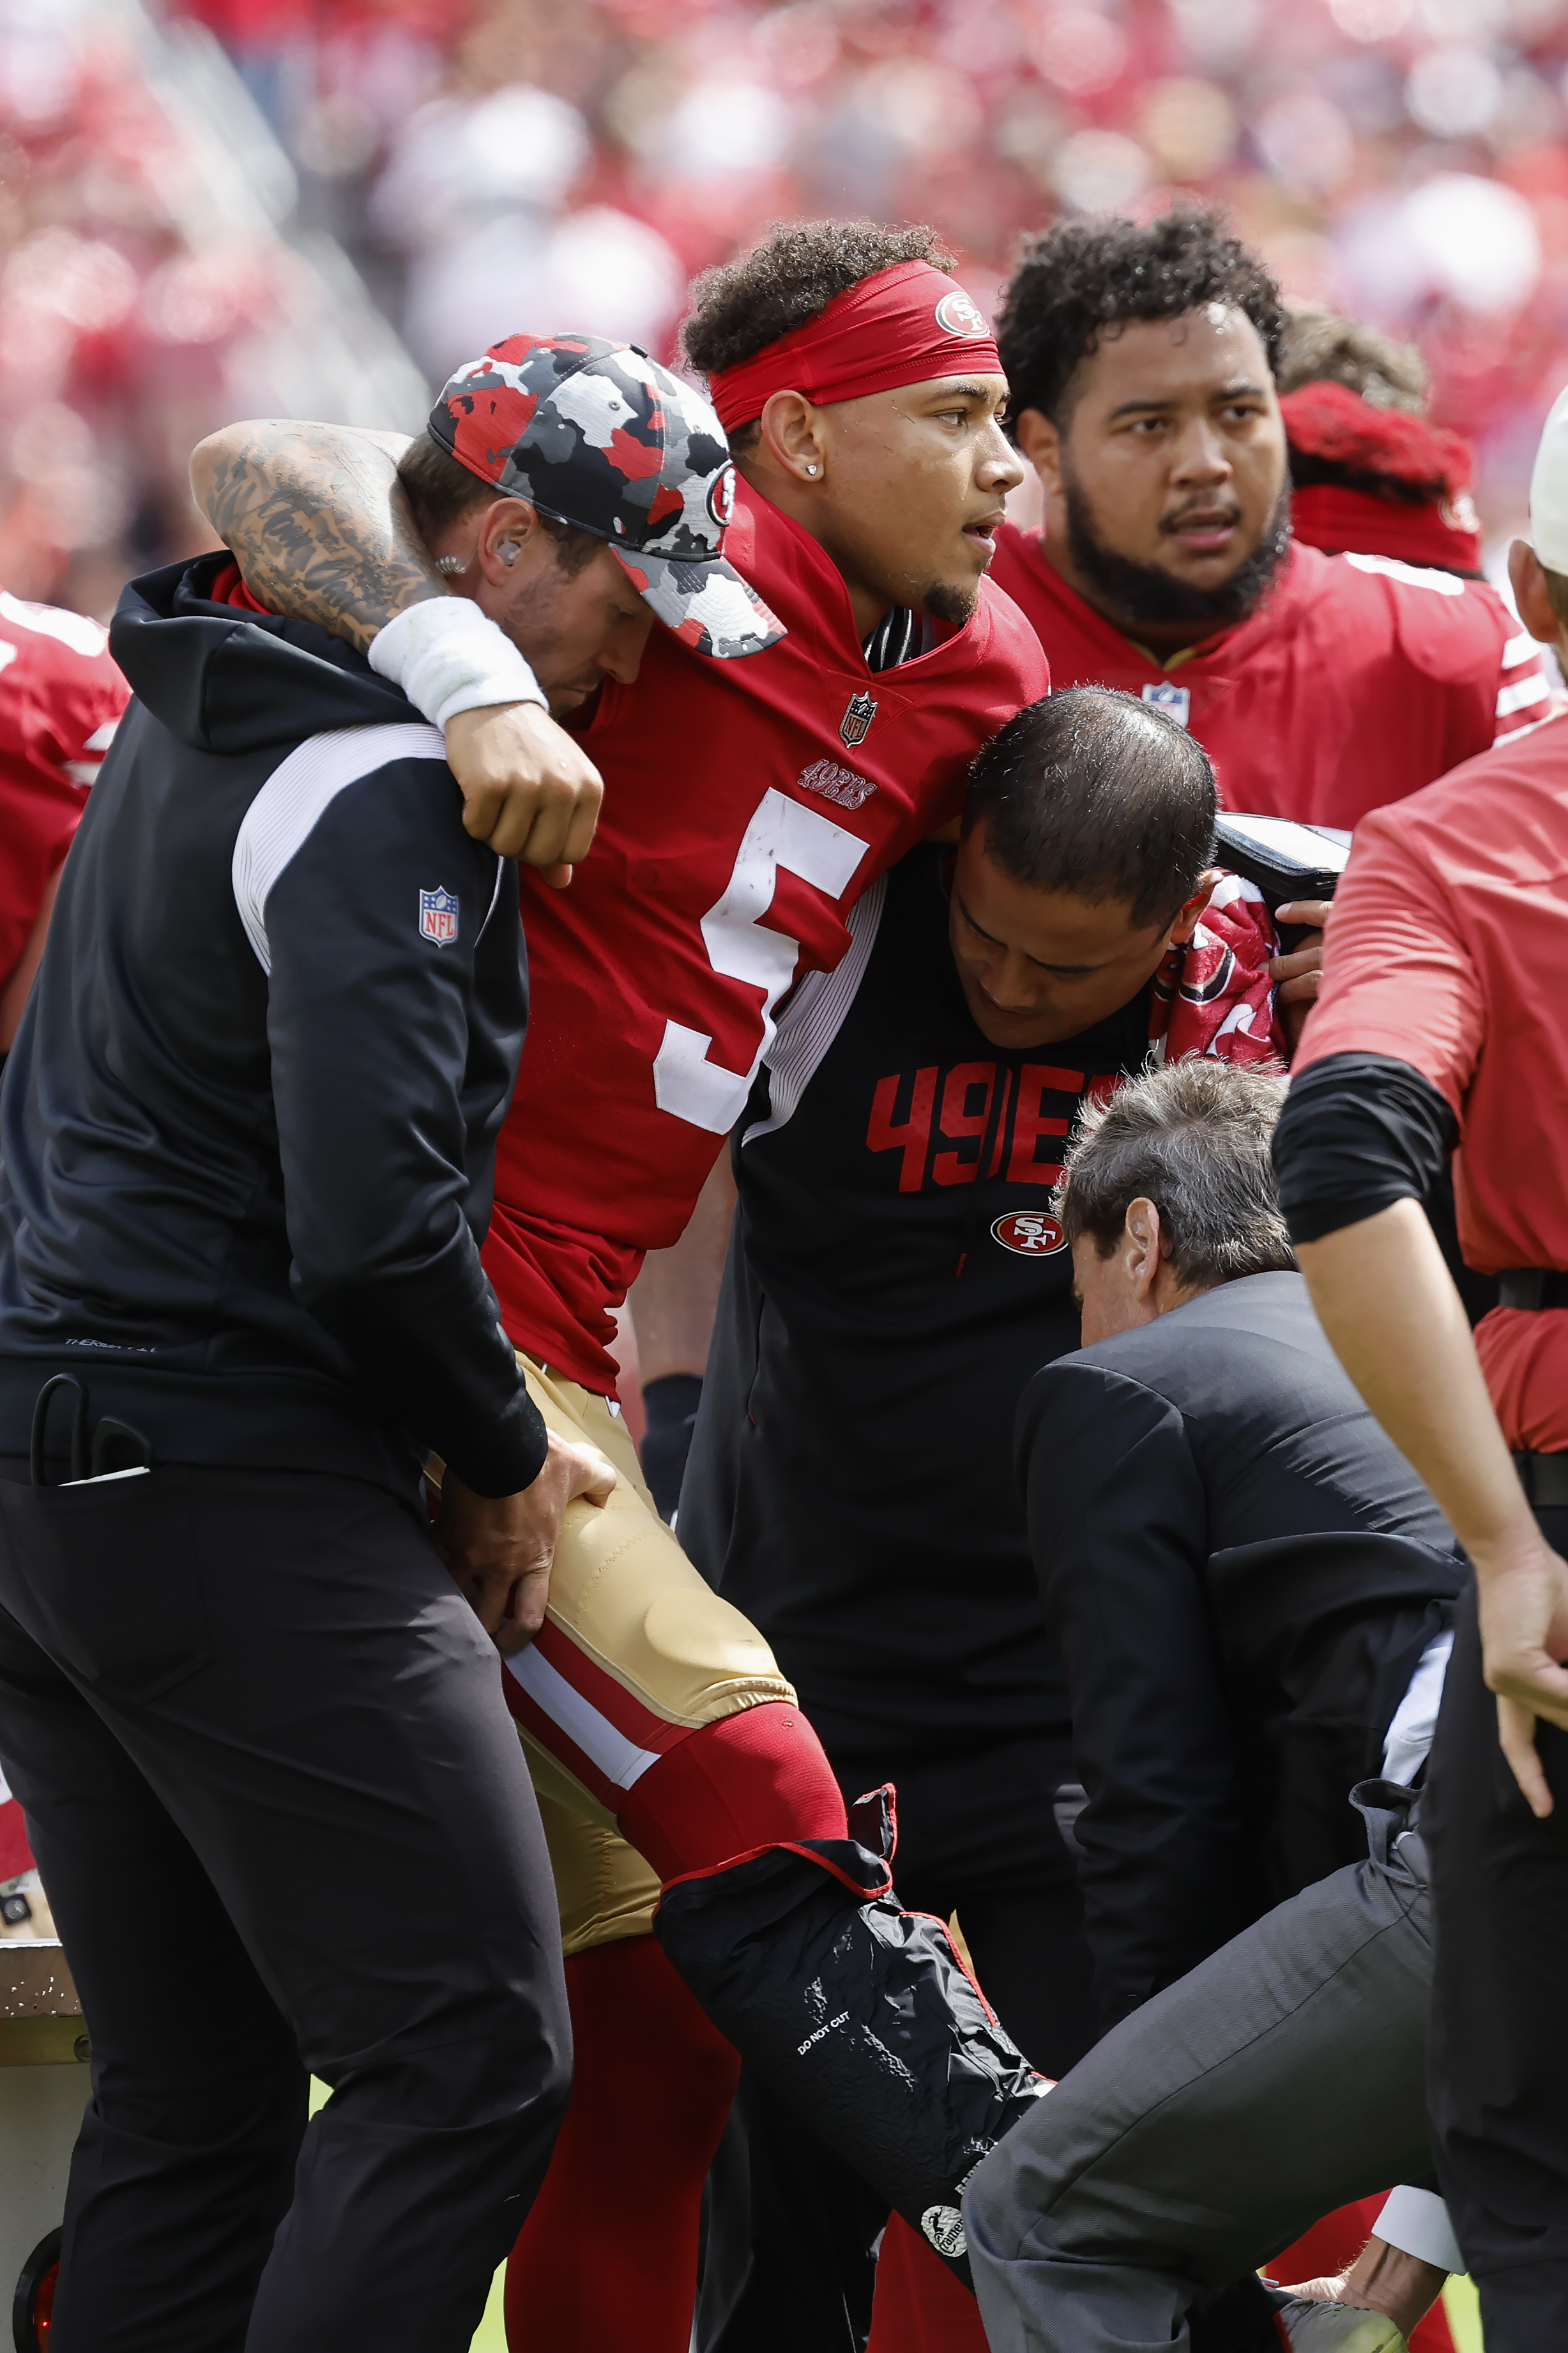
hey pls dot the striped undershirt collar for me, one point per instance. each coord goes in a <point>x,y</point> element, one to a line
<point>892,641</point>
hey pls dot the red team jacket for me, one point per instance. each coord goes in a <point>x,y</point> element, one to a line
<point>60,697</point>
<point>747,805</point>
<point>1359,680</point>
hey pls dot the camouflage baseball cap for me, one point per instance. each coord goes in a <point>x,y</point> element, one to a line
<point>598,435</point>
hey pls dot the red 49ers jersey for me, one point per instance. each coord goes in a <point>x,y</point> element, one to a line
<point>747,805</point>
<point>1357,681</point>
<point>60,697</point>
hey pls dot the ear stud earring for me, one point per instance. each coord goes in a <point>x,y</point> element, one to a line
<point>811,469</point>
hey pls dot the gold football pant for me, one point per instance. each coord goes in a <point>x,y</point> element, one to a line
<point>649,1705</point>
<point>636,1654</point>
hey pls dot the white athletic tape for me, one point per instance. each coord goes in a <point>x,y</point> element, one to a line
<point>449,657</point>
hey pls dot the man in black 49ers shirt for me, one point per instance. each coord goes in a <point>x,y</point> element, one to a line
<point>895,1277</point>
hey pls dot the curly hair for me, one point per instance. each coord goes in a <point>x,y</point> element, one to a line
<point>742,307</point>
<point>1074,280</point>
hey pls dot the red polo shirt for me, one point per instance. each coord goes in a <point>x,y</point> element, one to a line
<point>1447,949</point>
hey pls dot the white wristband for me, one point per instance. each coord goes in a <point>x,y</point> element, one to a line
<point>448,657</point>
<point>1417,2222</point>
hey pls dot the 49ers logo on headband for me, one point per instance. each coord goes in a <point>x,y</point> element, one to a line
<point>957,316</point>
<point>903,326</point>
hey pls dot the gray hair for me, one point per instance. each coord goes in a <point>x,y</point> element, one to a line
<point>1194,1139</point>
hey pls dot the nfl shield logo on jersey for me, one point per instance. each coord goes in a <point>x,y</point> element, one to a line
<point>1173,700</point>
<point>439,916</point>
<point>857,719</point>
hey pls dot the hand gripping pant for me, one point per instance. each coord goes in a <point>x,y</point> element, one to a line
<point>655,1718</point>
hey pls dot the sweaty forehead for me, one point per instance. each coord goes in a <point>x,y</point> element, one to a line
<point>1052,926</point>
<point>1195,355</point>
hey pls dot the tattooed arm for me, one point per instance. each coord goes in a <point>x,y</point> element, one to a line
<point>318,519</point>
<point>322,529</point>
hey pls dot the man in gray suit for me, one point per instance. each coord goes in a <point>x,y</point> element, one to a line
<point>1253,1595</point>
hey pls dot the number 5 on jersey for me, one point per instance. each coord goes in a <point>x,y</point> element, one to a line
<point>685,1082</point>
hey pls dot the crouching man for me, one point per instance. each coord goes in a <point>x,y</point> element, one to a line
<point>1253,1595</point>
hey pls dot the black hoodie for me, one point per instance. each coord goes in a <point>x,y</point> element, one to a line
<point>248,1129</point>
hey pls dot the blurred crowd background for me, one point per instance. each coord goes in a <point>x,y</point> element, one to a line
<point>320,206</point>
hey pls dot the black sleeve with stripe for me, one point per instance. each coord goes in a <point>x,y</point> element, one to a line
<point>394,1057</point>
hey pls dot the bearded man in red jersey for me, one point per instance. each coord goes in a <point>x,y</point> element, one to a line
<point>748,803</point>
<point>1141,361</point>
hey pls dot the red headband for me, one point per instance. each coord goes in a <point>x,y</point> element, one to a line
<point>1330,421</point>
<point>903,326</point>
<point>1356,522</point>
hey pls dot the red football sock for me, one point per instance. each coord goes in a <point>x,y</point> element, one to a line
<point>919,2307</point>
<point>607,2258</point>
<point>759,1778</point>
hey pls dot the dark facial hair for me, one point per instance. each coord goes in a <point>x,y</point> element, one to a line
<point>1144,592</point>
<point>946,602</point>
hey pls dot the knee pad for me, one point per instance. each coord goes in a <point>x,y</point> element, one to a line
<point>755,1779</point>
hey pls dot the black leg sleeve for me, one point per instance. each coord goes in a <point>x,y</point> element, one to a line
<point>858,2014</point>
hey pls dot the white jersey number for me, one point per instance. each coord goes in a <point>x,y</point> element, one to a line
<point>686,1083</point>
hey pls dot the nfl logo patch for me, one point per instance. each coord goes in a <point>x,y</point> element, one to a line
<point>1173,700</point>
<point>857,719</point>
<point>439,916</point>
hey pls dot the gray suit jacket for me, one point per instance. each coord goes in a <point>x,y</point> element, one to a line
<point>1242,1573</point>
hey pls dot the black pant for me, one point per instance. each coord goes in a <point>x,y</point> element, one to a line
<point>1499,2048</point>
<point>789,2265</point>
<point>285,1826</point>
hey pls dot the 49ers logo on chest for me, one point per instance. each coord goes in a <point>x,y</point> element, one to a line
<point>857,719</point>
<point>1030,1232</point>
